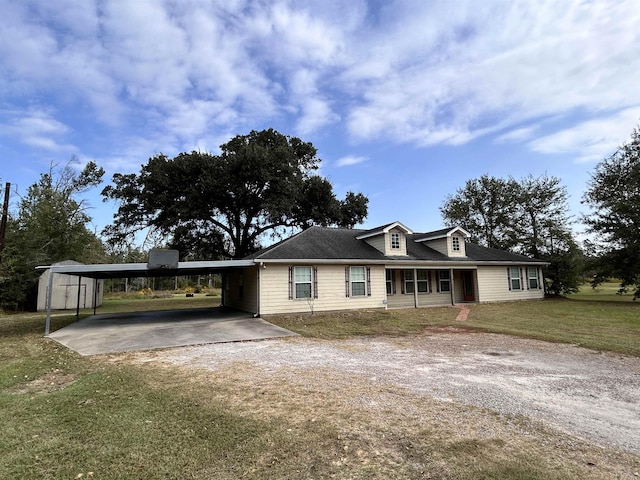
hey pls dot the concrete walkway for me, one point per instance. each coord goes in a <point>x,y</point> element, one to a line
<point>128,332</point>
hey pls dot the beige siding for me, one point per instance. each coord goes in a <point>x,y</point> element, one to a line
<point>452,253</point>
<point>403,243</point>
<point>493,286</point>
<point>382,243</point>
<point>377,242</point>
<point>331,291</point>
<point>439,245</point>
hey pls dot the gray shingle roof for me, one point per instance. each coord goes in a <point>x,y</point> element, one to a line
<point>325,243</point>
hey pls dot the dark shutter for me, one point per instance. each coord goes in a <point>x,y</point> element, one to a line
<point>290,283</point>
<point>402,282</point>
<point>429,282</point>
<point>538,270</point>
<point>368,281</point>
<point>438,281</point>
<point>521,280</point>
<point>346,282</point>
<point>509,277</point>
<point>315,282</point>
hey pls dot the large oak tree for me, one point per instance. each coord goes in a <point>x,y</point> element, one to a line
<point>260,184</point>
<point>614,196</point>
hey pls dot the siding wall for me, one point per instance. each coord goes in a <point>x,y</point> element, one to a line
<point>493,285</point>
<point>439,245</point>
<point>331,290</point>
<point>241,289</point>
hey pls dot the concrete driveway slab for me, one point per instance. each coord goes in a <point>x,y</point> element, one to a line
<point>129,332</point>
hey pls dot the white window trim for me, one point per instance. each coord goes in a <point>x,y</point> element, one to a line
<point>409,281</point>
<point>424,281</point>
<point>512,278</point>
<point>533,276</point>
<point>442,281</point>
<point>395,241</point>
<point>455,243</point>
<point>296,283</point>
<point>363,281</point>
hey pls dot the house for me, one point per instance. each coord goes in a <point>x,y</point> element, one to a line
<point>69,292</point>
<point>324,269</point>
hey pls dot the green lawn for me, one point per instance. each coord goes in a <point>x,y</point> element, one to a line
<point>600,320</point>
<point>67,416</point>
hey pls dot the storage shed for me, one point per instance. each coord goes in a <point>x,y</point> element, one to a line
<point>68,290</point>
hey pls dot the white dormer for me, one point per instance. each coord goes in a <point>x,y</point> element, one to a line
<point>449,241</point>
<point>389,239</point>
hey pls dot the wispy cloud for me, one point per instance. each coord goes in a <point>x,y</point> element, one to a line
<point>350,160</point>
<point>592,140</point>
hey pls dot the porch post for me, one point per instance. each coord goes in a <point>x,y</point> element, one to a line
<point>452,283</point>
<point>415,287</point>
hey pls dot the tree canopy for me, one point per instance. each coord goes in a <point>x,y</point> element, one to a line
<point>260,184</point>
<point>527,217</point>
<point>50,226</point>
<point>613,194</point>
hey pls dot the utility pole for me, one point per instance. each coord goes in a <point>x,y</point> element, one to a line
<point>5,216</point>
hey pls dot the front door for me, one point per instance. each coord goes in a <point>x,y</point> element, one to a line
<point>467,284</point>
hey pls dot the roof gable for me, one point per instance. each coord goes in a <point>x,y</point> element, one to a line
<point>384,229</point>
<point>443,232</point>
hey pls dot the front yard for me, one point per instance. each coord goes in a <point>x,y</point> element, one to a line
<point>123,416</point>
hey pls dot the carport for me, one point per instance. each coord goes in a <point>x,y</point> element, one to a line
<point>209,323</point>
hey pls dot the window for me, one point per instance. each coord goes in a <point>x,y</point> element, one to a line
<point>532,274</point>
<point>408,281</point>
<point>358,282</point>
<point>444,280</point>
<point>395,241</point>
<point>455,243</point>
<point>303,282</point>
<point>422,279</point>
<point>514,279</point>
<point>391,282</point>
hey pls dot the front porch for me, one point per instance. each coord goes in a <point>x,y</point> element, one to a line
<point>422,287</point>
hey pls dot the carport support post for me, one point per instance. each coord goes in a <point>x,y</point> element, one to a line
<point>49,295</point>
<point>95,294</point>
<point>78,304</point>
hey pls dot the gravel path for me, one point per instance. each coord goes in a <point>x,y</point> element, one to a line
<point>592,395</point>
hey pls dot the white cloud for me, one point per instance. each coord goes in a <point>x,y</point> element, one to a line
<point>517,135</point>
<point>423,73</point>
<point>36,128</point>
<point>592,140</point>
<point>350,160</point>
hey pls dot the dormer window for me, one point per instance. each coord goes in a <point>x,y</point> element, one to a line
<point>455,243</point>
<point>395,241</point>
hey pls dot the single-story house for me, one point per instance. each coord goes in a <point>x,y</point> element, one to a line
<point>324,269</point>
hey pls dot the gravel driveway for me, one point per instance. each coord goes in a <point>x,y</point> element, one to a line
<point>585,393</point>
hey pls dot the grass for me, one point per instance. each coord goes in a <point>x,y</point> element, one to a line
<point>593,320</point>
<point>67,416</point>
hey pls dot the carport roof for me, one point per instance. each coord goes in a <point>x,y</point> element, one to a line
<point>131,270</point>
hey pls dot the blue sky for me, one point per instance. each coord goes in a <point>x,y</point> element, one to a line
<point>405,100</point>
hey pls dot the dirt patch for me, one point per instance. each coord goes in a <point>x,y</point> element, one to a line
<point>50,382</point>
